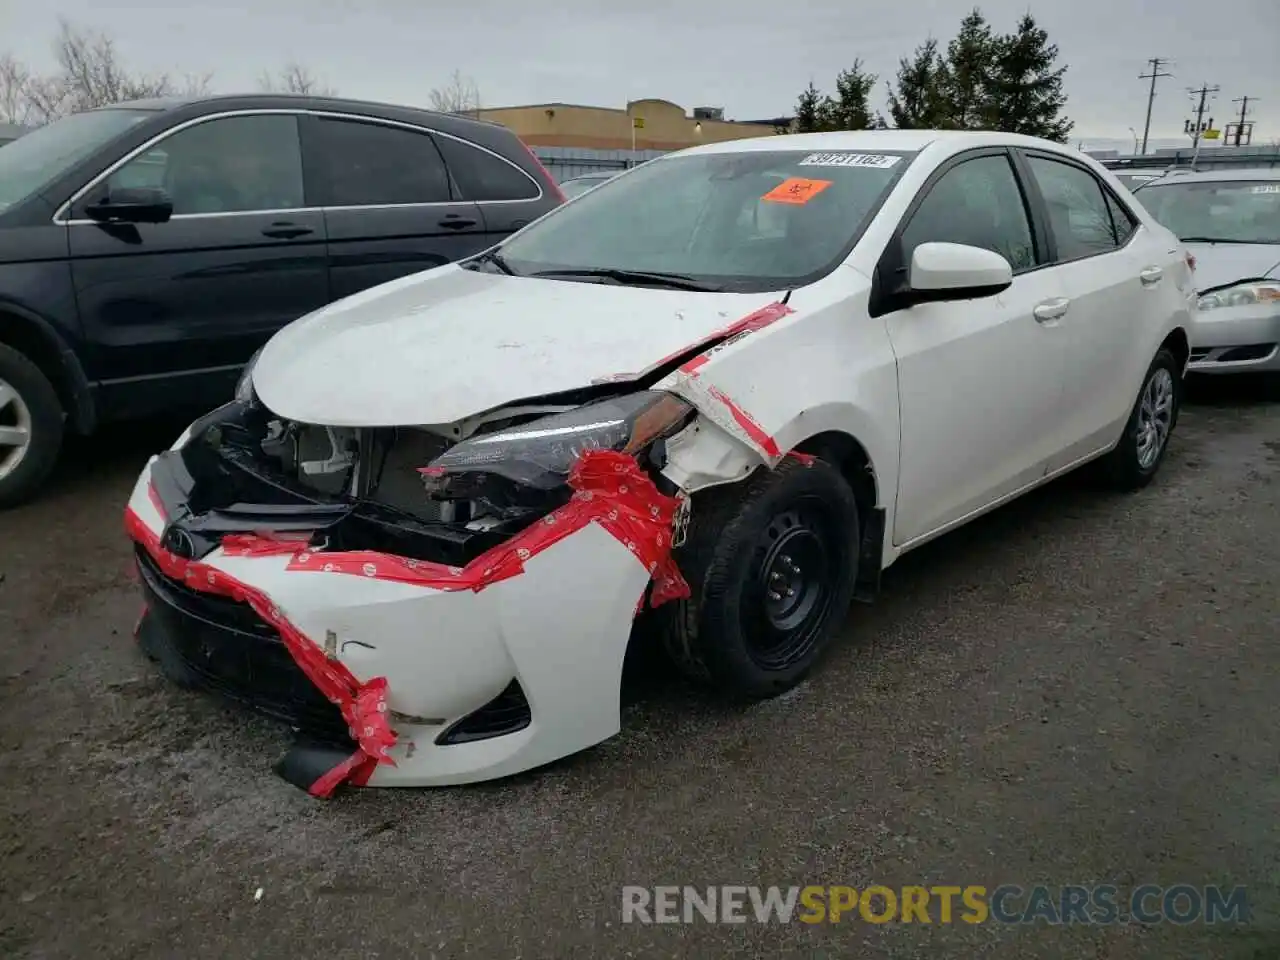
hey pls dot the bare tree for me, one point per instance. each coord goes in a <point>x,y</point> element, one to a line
<point>295,78</point>
<point>459,95</point>
<point>91,74</point>
<point>14,77</point>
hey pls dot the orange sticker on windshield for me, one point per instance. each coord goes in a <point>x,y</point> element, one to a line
<point>796,190</point>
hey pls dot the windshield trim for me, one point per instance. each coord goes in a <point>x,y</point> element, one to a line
<point>736,284</point>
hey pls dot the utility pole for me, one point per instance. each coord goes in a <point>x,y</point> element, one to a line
<point>1244,112</point>
<point>1199,129</point>
<point>1153,76</point>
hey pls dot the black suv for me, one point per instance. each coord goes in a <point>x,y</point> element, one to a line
<point>149,248</point>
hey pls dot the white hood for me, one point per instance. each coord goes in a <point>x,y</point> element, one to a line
<point>1220,263</point>
<point>449,343</point>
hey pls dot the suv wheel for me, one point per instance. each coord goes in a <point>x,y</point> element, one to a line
<point>30,427</point>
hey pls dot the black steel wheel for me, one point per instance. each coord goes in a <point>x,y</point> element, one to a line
<point>771,564</point>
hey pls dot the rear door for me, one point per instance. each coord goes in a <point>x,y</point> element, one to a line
<point>1113,274</point>
<point>508,197</point>
<point>171,311</point>
<point>389,207</point>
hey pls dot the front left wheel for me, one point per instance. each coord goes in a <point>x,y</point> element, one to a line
<point>771,564</point>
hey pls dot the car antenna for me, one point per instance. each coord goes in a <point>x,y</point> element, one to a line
<point>786,296</point>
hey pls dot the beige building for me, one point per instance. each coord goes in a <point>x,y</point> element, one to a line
<point>656,124</point>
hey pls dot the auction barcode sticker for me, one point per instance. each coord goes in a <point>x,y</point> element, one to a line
<point>876,161</point>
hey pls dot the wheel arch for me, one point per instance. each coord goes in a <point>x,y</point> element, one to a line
<point>35,338</point>
<point>1178,342</point>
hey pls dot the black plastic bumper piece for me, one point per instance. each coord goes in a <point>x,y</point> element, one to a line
<point>220,645</point>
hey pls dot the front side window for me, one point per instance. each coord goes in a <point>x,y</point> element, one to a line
<point>1228,211</point>
<point>227,165</point>
<point>977,203</point>
<point>1078,214</point>
<point>32,162</point>
<point>372,164</point>
<point>752,220</point>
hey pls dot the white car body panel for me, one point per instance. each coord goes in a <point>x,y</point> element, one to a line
<point>449,343</point>
<point>959,406</point>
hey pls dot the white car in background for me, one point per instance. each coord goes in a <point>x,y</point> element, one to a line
<point>576,186</point>
<point>1230,222</point>
<point>706,403</point>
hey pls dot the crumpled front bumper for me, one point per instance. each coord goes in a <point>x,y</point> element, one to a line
<point>404,651</point>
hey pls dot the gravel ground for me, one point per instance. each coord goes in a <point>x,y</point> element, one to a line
<point>1080,688</point>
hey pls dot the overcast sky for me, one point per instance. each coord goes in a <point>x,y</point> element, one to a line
<point>752,59</point>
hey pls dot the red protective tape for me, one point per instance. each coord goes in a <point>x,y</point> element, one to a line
<point>610,489</point>
<point>363,705</point>
<point>748,425</point>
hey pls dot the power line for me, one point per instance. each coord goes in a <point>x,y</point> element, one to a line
<point>1153,76</point>
<point>1244,112</point>
<point>1198,130</point>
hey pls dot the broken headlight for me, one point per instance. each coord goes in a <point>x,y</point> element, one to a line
<point>541,453</point>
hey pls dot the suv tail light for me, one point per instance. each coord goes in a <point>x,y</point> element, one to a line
<point>546,175</point>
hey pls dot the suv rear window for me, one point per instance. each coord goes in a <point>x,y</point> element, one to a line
<point>481,175</point>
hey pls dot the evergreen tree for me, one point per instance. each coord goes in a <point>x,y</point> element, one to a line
<point>851,111</point>
<point>809,109</point>
<point>916,104</point>
<point>1026,87</point>
<point>963,79</point>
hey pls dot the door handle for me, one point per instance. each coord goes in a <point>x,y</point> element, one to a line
<point>1151,275</point>
<point>1051,310</point>
<point>286,231</point>
<point>455,222</point>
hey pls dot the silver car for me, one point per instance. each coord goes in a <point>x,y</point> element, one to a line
<point>1229,221</point>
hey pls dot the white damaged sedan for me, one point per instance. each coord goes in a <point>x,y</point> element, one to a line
<point>704,404</point>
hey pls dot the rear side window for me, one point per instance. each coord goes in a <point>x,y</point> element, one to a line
<point>1122,221</point>
<point>371,164</point>
<point>1078,213</point>
<point>481,175</point>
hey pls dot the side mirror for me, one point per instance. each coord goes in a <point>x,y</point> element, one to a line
<point>133,205</point>
<point>956,271</point>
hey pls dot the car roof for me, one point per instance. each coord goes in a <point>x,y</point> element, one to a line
<point>903,140</point>
<point>1222,175</point>
<point>234,101</point>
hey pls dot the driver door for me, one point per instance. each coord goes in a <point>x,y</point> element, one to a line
<point>171,311</point>
<point>979,381</point>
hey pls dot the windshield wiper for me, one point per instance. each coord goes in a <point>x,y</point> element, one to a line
<point>1217,240</point>
<point>495,258</point>
<point>639,278</point>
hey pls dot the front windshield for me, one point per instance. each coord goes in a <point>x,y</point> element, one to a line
<point>33,161</point>
<point>1232,211</point>
<point>743,221</point>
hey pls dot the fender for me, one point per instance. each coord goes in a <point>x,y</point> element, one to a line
<point>82,412</point>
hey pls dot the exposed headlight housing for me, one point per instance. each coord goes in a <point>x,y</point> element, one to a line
<point>244,387</point>
<point>1244,295</point>
<point>540,454</point>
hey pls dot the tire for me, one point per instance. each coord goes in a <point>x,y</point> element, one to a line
<point>1127,468</point>
<point>29,402</point>
<point>729,633</point>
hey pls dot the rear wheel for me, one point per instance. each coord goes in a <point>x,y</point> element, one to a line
<point>771,565</point>
<point>30,427</point>
<point>1137,457</point>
